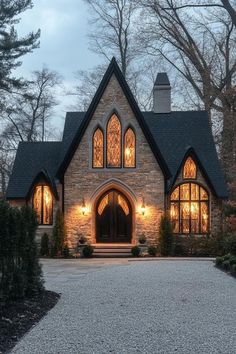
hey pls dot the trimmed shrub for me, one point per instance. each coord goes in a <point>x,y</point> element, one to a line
<point>59,235</point>
<point>219,261</point>
<point>87,251</point>
<point>152,251</point>
<point>135,250</point>
<point>226,265</point>
<point>20,271</point>
<point>233,269</point>
<point>66,251</point>
<point>142,239</point>
<point>165,236</point>
<point>44,246</point>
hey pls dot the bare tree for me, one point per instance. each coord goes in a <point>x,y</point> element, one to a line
<point>27,117</point>
<point>112,30</point>
<point>200,45</point>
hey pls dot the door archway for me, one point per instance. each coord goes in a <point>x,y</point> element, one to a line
<point>113,218</point>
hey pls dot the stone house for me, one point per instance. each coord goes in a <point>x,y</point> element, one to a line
<point>117,169</point>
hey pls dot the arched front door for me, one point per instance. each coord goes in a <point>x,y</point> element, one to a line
<point>113,218</point>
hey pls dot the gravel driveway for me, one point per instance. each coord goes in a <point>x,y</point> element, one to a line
<point>136,307</point>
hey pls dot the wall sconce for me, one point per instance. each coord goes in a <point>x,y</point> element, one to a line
<point>83,208</point>
<point>143,207</point>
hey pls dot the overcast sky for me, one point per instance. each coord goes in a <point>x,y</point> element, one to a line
<point>64,43</point>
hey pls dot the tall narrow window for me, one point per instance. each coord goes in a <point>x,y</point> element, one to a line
<point>98,142</point>
<point>114,142</point>
<point>129,148</point>
<point>189,209</point>
<point>190,169</point>
<point>42,204</point>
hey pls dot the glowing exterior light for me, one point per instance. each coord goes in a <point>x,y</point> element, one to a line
<point>83,208</point>
<point>143,207</point>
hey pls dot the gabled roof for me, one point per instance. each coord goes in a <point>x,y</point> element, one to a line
<point>32,159</point>
<point>113,68</point>
<point>180,133</point>
<point>171,136</point>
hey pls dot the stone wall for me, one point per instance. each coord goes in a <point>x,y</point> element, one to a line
<point>144,181</point>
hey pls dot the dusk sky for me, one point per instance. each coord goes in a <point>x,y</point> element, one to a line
<point>64,43</point>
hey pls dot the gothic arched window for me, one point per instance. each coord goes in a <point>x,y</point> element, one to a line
<point>129,148</point>
<point>98,146</point>
<point>189,209</point>
<point>42,204</point>
<point>113,152</point>
<point>190,169</point>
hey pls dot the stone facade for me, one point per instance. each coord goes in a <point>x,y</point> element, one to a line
<point>144,181</point>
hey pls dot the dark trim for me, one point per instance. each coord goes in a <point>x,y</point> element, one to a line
<point>44,175</point>
<point>114,112</point>
<point>103,143</point>
<point>135,148</point>
<point>113,69</point>
<point>191,152</point>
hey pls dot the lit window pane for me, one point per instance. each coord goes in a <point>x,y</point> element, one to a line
<point>114,142</point>
<point>203,194</point>
<point>194,191</point>
<point>194,217</point>
<point>190,169</point>
<point>204,217</point>
<point>37,203</point>
<point>124,205</point>
<point>175,194</point>
<point>47,205</point>
<point>185,217</point>
<point>102,205</point>
<point>98,149</point>
<point>184,191</point>
<point>129,147</point>
<point>174,214</point>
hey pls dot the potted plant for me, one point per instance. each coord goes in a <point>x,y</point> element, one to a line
<point>142,239</point>
<point>82,240</point>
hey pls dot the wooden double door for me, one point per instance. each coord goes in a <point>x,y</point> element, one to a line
<point>113,218</point>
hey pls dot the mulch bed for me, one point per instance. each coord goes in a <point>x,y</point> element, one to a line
<point>17,317</point>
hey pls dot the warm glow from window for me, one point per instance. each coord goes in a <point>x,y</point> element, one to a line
<point>190,169</point>
<point>189,209</point>
<point>42,204</point>
<point>98,143</point>
<point>103,203</point>
<point>129,146</point>
<point>124,205</point>
<point>114,142</point>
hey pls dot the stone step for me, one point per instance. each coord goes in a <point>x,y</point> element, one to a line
<point>112,251</point>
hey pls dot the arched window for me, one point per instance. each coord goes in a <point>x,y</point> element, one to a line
<point>190,169</point>
<point>113,142</point>
<point>98,143</point>
<point>42,204</point>
<point>129,148</point>
<point>189,209</point>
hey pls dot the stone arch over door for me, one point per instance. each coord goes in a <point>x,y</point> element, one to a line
<point>114,185</point>
<point>113,218</point>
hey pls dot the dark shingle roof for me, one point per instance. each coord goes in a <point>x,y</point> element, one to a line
<point>176,133</point>
<point>31,159</point>
<point>162,79</point>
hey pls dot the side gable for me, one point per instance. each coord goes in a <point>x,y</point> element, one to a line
<point>180,133</point>
<point>33,158</point>
<point>112,69</point>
